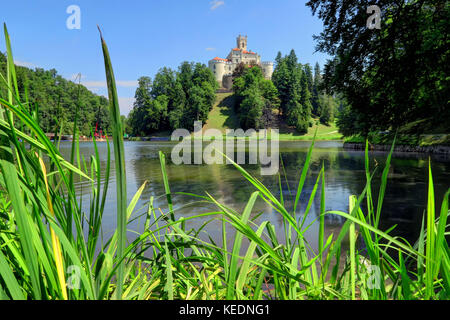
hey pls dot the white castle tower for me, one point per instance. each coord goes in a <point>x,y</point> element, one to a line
<point>223,68</point>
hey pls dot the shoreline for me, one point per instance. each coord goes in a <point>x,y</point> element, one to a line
<point>433,149</point>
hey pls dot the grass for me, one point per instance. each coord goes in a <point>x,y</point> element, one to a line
<point>317,131</point>
<point>222,115</point>
<point>45,234</point>
<point>407,139</point>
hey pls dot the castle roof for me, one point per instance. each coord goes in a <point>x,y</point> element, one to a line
<point>219,59</point>
<point>243,51</point>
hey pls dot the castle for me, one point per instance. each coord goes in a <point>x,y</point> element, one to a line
<point>223,68</point>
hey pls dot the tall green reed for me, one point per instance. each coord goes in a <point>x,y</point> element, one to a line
<point>170,261</point>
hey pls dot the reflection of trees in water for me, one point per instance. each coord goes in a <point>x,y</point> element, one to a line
<point>403,205</point>
<point>405,197</point>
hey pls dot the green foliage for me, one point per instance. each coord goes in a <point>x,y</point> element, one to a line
<point>174,99</point>
<point>392,76</point>
<point>315,94</point>
<point>145,117</point>
<point>256,97</point>
<point>327,105</point>
<point>294,82</point>
<point>44,226</point>
<point>57,100</point>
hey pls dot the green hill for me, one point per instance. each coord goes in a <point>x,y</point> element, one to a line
<point>57,99</point>
<point>222,117</point>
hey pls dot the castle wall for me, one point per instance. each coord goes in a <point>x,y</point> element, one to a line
<point>218,69</point>
<point>267,68</point>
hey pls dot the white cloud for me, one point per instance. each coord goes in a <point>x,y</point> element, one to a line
<point>126,104</point>
<point>24,64</point>
<point>216,3</point>
<point>94,84</point>
<point>102,84</point>
<point>210,49</point>
<point>127,84</point>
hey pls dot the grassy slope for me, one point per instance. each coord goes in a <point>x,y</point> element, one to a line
<point>222,117</point>
<point>323,132</point>
<point>416,133</point>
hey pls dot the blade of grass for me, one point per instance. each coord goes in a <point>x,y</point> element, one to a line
<point>57,253</point>
<point>162,159</point>
<point>430,243</point>
<point>231,285</point>
<point>352,240</point>
<point>119,157</point>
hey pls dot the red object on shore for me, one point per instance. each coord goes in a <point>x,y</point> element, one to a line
<point>98,134</point>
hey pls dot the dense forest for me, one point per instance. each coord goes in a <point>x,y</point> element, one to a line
<point>174,99</point>
<point>301,93</point>
<point>393,78</point>
<point>57,99</point>
<point>294,92</point>
<point>256,97</point>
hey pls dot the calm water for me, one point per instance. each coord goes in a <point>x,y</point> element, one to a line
<point>403,206</point>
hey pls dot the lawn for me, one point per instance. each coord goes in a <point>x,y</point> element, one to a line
<point>222,117</point>
<point>324,132</point>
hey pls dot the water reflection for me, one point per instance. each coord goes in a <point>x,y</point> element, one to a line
<point>403,205</point>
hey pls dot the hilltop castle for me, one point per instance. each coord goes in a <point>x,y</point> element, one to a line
<point>223,68</point>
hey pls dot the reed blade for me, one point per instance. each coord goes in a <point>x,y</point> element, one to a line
<point>119,158</point>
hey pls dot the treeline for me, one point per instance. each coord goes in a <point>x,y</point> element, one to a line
<point>301,93</point>
<point>294,91</point>
<point>174,99</point>
<point>394,78</point>
<point>56,100</point>
<point>256,97</point>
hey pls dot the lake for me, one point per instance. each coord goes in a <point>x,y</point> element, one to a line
<point>403,205</point>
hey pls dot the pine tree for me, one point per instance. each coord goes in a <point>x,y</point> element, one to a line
<point>137,117</point>
<point>327,109</point>
<point>174,100</point>
<point>309,77</point>
<point>315,99</point>
<point>295,98</point>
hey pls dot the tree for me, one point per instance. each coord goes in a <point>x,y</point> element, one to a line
<point>175,99</point>
<point>281,79</point>
<point>309,77</point>
<point>125,124</point>
<point>392,76</point>
<point>252,108</point>
<point>315,101</point>
<point>292,83</point>
<point>256,98</point>
<point>58,101</point>
<point>327,109</point>
<point>147,112</point>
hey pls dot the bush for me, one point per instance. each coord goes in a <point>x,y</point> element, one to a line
<point>301,126</point>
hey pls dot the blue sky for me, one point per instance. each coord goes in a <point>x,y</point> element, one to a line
<point>145,35</point>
